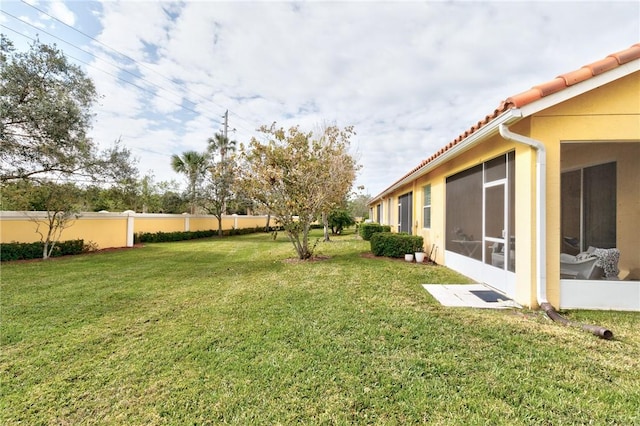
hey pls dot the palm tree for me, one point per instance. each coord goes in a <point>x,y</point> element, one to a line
<point>194,165</point>
<point>222,144</point>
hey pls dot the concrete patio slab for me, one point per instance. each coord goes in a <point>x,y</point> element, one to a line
<point>470,296</point>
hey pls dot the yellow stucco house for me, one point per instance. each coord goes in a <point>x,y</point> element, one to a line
<point>525,199</point>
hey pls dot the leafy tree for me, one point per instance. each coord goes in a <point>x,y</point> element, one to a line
<point>297,176</point>
<point>151,194</point>
<point>148,192</point>
<point>170,199</point>
<point>172,202</point>
<point>194,165</point>
<point>222,145</point>
<point>218,189</point>
<point>358,205</point>
<point>45,113</point>
<point>60,201</point>
<point>222,175</point>
<point>339,219</point>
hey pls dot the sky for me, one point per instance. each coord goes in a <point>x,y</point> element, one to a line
<point>409,76</point>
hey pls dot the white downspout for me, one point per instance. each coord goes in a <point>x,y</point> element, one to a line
<point>541,208</point>
<point>541,234</point>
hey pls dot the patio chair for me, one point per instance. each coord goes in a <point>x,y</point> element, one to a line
<point>581,267</point>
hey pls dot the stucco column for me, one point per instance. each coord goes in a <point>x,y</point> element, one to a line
<point>187,223</point>
<point>130,226</point>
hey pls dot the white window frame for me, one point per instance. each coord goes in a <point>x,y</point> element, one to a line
<point>426,217</point>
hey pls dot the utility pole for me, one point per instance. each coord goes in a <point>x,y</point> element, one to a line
<point>226,123</point>
<point>223,150</point>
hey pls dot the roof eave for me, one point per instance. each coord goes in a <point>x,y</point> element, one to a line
<point>581,87</point>
<point>490,129</point>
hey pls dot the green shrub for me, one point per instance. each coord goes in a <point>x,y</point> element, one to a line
<point>366,230</point>
<point>66,248</point>
<point>243,231</point>
<point>164,237</point>
<point>19,251</point>
<point>23,251</point>
<point>395,245</point>
<point>340,219</point>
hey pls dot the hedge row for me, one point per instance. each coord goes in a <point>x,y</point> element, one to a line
<point>395,245</point>
<point>164,237</point>
<point>23,251</point>
<point>366,230</point>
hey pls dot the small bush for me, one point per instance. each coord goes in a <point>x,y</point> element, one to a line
<point>66,248</point>
<point>23,251</point>
<point>395,245</point>
<point>366,230</point>
<point>90,247</point>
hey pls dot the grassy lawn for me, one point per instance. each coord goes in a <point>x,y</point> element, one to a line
<point>226,331</point>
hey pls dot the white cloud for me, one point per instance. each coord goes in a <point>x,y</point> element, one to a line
<point>129,27</point>
<point>411,76</point>
<point>60,11</point>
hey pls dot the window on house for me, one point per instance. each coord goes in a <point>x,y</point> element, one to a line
<point>426,210</point>
<point>464,212</point>
<point>379,213</point>
<point>589,208</point>
<point>480,212</point>
<point>405,212</point>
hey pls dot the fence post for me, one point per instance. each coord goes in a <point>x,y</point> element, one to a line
<point>187,224</point>
<point>130,225</point>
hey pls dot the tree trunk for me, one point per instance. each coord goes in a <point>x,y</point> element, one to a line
<point>325,222</point>
<point>219,225</point>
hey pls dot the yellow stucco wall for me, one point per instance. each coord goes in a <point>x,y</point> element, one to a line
<point>110,229</point>
<point>159,223</point>
<point>202,223</point>
<point>105,231</point>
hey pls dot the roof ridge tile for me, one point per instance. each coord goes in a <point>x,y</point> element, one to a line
<point>552,86</point>
<point>603,65</point>
<point>574,77</point>
<point>627,55</point>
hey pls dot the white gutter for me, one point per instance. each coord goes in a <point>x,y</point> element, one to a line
<point>541,209</point>
<point>541,234</point>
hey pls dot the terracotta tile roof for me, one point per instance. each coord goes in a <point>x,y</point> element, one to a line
<point>537,92</point>
<point>569,79</point>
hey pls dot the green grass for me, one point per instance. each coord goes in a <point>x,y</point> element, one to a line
<point>226,331</point>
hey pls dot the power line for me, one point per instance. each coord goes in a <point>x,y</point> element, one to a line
<point>119,68</point>
<point>111,74</point>
<point>103,60</point>
<point>128,57</point>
